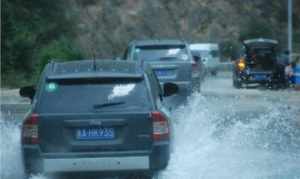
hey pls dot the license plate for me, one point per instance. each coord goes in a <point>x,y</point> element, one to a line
<point>95,134</point>
<point>162,72</point>
<point>260,77</point>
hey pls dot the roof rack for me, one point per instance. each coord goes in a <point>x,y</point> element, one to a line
<point>261,40</point>
<point>52,63</point>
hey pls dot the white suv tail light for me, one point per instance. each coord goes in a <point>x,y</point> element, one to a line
<point>30,130</point>
<point>160,126</point>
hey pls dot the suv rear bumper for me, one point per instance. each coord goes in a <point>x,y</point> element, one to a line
<point>51,165</point>
<point>128,161</point>
<point>252,77</point>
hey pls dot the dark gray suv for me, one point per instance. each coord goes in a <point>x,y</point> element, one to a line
<point>96,116</point>
<point>171,60</point>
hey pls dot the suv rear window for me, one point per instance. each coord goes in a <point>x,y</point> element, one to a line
<point>161,52</point>
<point>93,96</point>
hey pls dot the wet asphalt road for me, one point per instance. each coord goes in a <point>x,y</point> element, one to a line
<point>259,126</point>
<point>251,101</point>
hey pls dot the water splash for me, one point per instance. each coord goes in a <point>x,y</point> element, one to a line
<point>11,166</point>
<point>10,151</point>
<point>214,139</point>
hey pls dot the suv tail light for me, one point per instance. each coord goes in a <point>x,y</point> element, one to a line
<point>30,130</point>
<point>241,64</point>
<point>160,126</point>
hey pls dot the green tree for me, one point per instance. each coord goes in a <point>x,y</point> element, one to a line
<point>28,29</point>
<point>256,29</point>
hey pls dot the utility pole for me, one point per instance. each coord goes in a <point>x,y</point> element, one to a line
<point>290,28</point>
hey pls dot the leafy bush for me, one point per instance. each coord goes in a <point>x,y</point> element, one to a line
<point>32,33</point>
<point>58,50</point>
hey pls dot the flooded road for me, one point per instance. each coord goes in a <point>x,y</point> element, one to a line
<point>221,132</point>
<point>229,133</point>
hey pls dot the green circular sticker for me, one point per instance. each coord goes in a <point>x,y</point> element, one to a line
<point>50,87</point>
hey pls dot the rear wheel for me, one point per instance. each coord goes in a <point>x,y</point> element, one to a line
<point>138,176</point>
<point>29,174</point>
<point>26,176</point>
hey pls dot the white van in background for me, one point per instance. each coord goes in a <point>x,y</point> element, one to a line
<point>210,55</point>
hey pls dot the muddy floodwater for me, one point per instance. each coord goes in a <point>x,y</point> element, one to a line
<point>220,132</point>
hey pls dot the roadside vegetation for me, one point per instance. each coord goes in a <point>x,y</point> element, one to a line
<point>34,32</point>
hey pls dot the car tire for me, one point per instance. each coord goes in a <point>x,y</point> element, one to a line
<point>26,176</point>
<point>138,176</point>
<point>29,175</point>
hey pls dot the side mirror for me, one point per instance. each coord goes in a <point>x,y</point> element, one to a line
<point>170,89</point>
<point>27,92</point>
<point>196,58</point>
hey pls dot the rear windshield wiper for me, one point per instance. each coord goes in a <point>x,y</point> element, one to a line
<point>168,58</point>
<point>98,106</point>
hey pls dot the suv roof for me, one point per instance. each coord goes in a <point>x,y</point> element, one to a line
<point>158,42</point>
<point>204,46</point>
<point>93,69</point>
<point>260,40</point>
<point>260,43</point>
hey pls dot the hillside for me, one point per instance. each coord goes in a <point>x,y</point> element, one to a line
<point>35,32</point>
